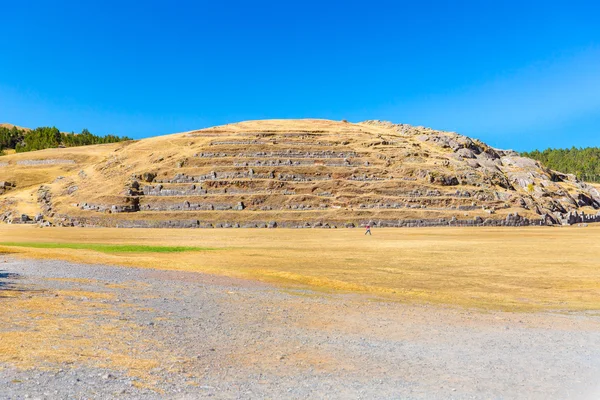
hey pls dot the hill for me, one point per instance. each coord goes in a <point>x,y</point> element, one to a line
<point>292,173</point>
<point>10,126</point>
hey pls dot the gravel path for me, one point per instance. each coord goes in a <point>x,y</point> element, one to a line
<point>139,333</point>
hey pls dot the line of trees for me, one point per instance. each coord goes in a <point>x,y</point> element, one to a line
<point>49,137</point>
<point>10,137</point>
<point>583,162</point>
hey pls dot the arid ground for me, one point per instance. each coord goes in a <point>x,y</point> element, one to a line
<point>509,269</point>
<point>255,313</point>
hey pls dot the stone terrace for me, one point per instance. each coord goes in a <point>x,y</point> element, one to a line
<point>335,175</point>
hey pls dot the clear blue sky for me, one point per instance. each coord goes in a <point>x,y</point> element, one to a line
<point>516,74</point>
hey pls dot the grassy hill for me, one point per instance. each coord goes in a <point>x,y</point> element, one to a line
<point>291,173</point>
<point>10,126</point>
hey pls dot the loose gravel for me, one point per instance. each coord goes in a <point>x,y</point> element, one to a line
<point>224,338</point>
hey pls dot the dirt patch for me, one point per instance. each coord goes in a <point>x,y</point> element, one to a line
<point>111,332</point>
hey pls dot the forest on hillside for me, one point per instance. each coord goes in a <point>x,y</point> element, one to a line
<point>49,137</point>
<point>583,162</point>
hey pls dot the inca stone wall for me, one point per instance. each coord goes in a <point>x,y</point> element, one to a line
<point>44,162</point>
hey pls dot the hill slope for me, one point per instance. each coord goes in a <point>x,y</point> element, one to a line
<point>292,173</point>
<point>10,126</point>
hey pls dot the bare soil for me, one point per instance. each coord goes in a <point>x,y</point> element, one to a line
<point>91,331</point>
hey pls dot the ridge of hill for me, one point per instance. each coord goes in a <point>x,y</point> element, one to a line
<point>10,126</point>
<point>292,173</point>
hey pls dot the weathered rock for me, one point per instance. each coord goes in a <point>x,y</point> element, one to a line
<point>148,176</point>
<point>466,153</point>
<point>587,201</point>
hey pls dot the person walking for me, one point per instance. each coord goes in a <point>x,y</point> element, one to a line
<point>368,229</point>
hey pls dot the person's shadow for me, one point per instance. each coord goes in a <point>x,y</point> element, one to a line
<point>7,282</point>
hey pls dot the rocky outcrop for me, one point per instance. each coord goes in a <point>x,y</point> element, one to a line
<point>5,186</point>
<point>44,199</point>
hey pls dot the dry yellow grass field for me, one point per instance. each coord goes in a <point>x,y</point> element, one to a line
<point>522,269</point>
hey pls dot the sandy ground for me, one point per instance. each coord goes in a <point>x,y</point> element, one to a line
<point>88,331</point>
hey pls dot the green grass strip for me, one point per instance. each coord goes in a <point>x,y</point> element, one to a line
<point>108,248</point>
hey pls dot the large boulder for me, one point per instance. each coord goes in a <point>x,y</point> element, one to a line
<point>148,176</point>
<point>466,153</point>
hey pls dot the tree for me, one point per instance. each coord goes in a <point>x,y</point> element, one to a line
<point>49,137</point>
<point>583,162</point>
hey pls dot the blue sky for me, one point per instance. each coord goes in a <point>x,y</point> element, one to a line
<point>516,74</point>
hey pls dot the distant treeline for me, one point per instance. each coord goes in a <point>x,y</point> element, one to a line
<point>45,137</point>
<point>584,163</point>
